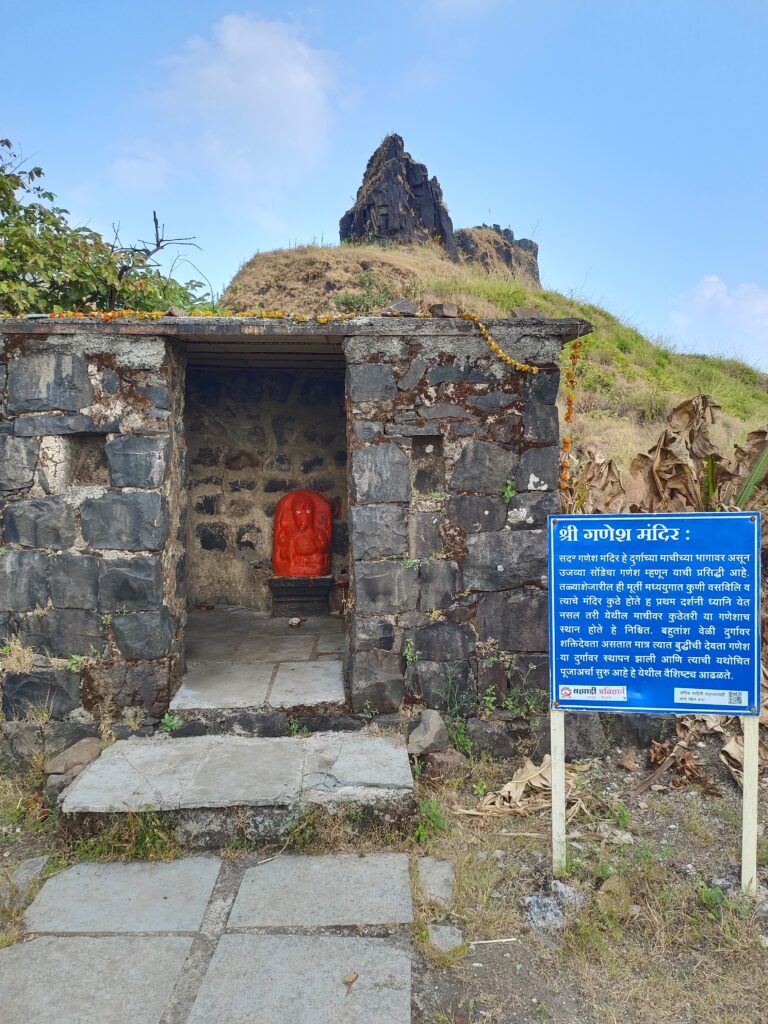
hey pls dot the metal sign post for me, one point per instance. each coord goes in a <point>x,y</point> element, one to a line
<point>656,614</point>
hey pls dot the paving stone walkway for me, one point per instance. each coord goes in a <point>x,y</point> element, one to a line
<point>244,659</point>
<point>310,940</point>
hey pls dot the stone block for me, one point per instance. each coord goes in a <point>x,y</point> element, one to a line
<point>444,686</point>
<point>332,890</point>
<point>496,738</point>
<point>18,457</point>
<point>55,689</point>
<point>23,580</point>
<point>143,684</point>
<point>539,470</point>
<point>384,349</point>
<point>377,681</point>
<point>370,382</point>
<point>158,395</point>
<point>503,560</point>
<point>77,755</point>
<point>137,461</point>
<point>47,425</point>
<point>413,374</point>
<point>380,473</point>
<point>424,538</point>
<point>130,977</point>
<point>541,387</point>
<point>212,536</point>
<point>439,580</point>
<point>74,580</point>
<point>584,736</point>
<point>493,400</point>
<point>144,634</point>
<point>372,634</point>
<point>131,521</point>
<point>531,509</point>
<point>269,978</point>
<point>386,587</point>
<point>541,423</point>
<point>61,632</point>
<point>140,897</point>
<point>444,641</point>
<point>437,880</point>
<point>378,531</point>
<point>476,513</point>
<point>48,380</point>
<point>367,430</point>
<point>40,523</point>
<point>484,467</point>
<point>130,584</point>
<point>518,619</point>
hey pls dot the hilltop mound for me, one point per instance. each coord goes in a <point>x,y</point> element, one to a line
<point>627,383</point>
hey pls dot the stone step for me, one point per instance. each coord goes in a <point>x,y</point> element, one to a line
<point>212,789</point>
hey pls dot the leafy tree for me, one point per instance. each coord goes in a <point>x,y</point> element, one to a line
<point>48,266</point>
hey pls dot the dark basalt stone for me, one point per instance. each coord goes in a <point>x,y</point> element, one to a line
<point>40,523</point>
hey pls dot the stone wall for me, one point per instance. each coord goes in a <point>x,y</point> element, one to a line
<point>92,487</point>
<point>253,435</point>
<point>454,469</point>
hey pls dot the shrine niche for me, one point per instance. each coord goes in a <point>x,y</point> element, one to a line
<point>303,535</point>
<point>302,539</point>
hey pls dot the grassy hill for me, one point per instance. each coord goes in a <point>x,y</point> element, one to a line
<point>627,383</point>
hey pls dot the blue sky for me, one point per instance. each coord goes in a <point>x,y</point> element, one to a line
<point>627,138</point>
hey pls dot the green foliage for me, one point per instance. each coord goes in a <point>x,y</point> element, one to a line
<point>137,836</point>
<point>458,735</point>
<point>74,662</point>
<point>410,653</point>
<point>486,701</point>
<point>370,298</point>
<point>48,266</point>
<point>169,722</point>
<point>525,702</point>
<point>296,729</point>
<point>509,491</point>
<point>480,788</point>
<point>430,822</point>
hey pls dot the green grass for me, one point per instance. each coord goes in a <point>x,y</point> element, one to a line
<point>622,369</point>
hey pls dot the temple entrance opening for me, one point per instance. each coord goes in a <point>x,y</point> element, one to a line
<point>266,528</point>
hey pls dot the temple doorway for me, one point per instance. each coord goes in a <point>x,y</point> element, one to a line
<point>261,426</point>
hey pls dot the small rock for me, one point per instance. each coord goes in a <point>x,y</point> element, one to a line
<point>14,889</point>
<point>567,896</point>
<point>401,307</point>
<point>437,880</point>
<point>442,764</point>
<point>427,734</point>
<point>445,937</point>
<point>526,312</point>
<point>448,309</point>
<point>294,623</point>
<point>77,756</point>
<point>543,913</point>
<point>56,784</point>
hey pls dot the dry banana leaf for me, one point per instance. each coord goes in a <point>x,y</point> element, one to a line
<point>528,791</point>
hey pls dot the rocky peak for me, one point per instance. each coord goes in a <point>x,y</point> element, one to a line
<point>398,202</point>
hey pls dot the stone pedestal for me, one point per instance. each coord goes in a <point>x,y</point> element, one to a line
<point>300,595</point>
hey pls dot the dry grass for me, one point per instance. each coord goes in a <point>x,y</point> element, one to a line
<point>16,657</point>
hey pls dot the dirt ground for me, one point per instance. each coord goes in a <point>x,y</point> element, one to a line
<point>660,934</point>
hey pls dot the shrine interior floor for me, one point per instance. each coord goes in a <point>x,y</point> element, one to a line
<point>237,658</point>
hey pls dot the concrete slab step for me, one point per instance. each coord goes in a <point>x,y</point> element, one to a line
<point>213,788</point>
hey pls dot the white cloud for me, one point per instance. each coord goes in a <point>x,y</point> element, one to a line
<point>722,320</point>
<point>253,103</point>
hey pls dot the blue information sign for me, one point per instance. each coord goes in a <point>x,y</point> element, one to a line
<point>655,613</point>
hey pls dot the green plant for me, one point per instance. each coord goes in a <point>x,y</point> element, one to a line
<point>296,729</point>
<point>525,702</point>
<point>480,788</point>
<point>508,491</point>
<point>410,653</point>
<point>371,296</point>
<point>106,620</point>
<point>411,563</point>
<point>369,711</point>
<point>430,821</point>
<point>458,735</point>
<point>46,265</point>
<point>74,662</point>
<point>142,835</point>
<point>620,814</point>
<point>487,700</point>
<point>170,722</point>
